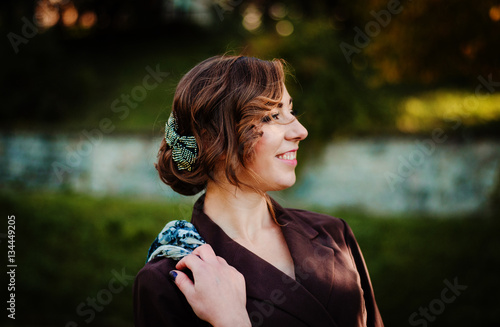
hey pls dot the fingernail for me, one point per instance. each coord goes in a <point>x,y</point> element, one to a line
<point>173,275</point>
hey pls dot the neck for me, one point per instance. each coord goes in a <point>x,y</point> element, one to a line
<point>241,214</point>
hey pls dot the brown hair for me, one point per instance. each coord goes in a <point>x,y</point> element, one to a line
<point>221,102</point>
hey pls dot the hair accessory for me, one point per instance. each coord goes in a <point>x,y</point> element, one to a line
<point>184,148</point>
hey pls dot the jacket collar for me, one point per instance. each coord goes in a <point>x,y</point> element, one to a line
<point>312,260</point>
<point>288,219</point>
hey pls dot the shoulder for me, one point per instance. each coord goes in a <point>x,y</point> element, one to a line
<point>154,274</point>
<point>157,300</point>
<point>158,265</point>
<point>318,224</point>
<point>317,221</point>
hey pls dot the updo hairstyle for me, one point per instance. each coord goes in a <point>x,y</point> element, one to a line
<point>222,102</point>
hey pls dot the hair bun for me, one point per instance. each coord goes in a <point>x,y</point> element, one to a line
<point>219,104</point>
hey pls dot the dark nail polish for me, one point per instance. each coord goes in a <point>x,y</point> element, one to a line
<point>173,275</point>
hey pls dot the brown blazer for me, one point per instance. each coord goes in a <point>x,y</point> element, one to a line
<point>332,285</point>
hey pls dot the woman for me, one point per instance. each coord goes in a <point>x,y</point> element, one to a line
<point>233,133</point>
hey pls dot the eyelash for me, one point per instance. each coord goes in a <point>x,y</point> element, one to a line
<point>275,116</point>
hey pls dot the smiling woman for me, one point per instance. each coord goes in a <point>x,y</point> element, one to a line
<point>245,260</point>
<point>276,149</point>
<point>222,103</point>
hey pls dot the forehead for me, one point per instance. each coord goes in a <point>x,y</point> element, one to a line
<point>286,99</point>
<point>286,95</point>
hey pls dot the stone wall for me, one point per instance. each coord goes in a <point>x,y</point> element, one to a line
<point>403,175</point>
<point>383,175</point>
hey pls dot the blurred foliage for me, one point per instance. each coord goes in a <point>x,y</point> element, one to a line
<point>446,108</point>
<point>67,75</point>
<point>68,245</point>
<point>329,98</point>
<point>428,42</point>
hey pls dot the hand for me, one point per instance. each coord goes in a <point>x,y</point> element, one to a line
<point>218,293</point>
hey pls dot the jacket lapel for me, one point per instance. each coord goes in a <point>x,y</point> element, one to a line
<point>314,266</point>
<point>314,263</point>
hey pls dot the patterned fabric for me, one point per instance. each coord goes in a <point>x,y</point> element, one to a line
<point>184,148</point>
<point>176,240</point>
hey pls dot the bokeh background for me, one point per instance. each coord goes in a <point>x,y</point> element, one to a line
<point>401,100</point>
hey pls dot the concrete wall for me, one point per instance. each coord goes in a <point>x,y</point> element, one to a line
<point>403,175</point>
<point>387,175</point>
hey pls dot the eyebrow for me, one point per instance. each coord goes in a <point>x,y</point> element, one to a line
<point>280,105</point>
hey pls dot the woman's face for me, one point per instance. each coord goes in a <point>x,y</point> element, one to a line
<point>275,152</point>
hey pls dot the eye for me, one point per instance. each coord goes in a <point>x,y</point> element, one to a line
<point>268,118</point>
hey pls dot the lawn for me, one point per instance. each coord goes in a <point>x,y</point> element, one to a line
<point>72,250</point>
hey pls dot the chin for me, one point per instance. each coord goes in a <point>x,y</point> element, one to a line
<point>283,185</point>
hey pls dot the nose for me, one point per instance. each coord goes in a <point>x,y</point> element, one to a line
<point>296,131</point>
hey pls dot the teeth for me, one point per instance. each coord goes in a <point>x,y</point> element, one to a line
<point>287,156</point>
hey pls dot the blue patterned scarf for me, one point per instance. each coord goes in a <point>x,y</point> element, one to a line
<point>176,240</point>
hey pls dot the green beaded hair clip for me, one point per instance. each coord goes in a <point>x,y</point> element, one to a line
<point>184,148</point>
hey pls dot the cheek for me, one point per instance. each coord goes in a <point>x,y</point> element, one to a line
<point>265,151</point>
<point>267,147</point>
<point>262,144</point>
<point>261,155</point>
<point>270,140</point>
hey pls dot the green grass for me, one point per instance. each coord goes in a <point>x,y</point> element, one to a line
<point>68,245</point>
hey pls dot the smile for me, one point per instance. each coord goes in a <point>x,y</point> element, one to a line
<point>287,156</point>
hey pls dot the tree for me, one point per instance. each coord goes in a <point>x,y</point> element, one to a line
<point>430,41</point>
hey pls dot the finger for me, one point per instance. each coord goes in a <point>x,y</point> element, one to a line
<point>222,260</point>
<point>183,282</point>
<point>206,253</point>
<point>190,262</point>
